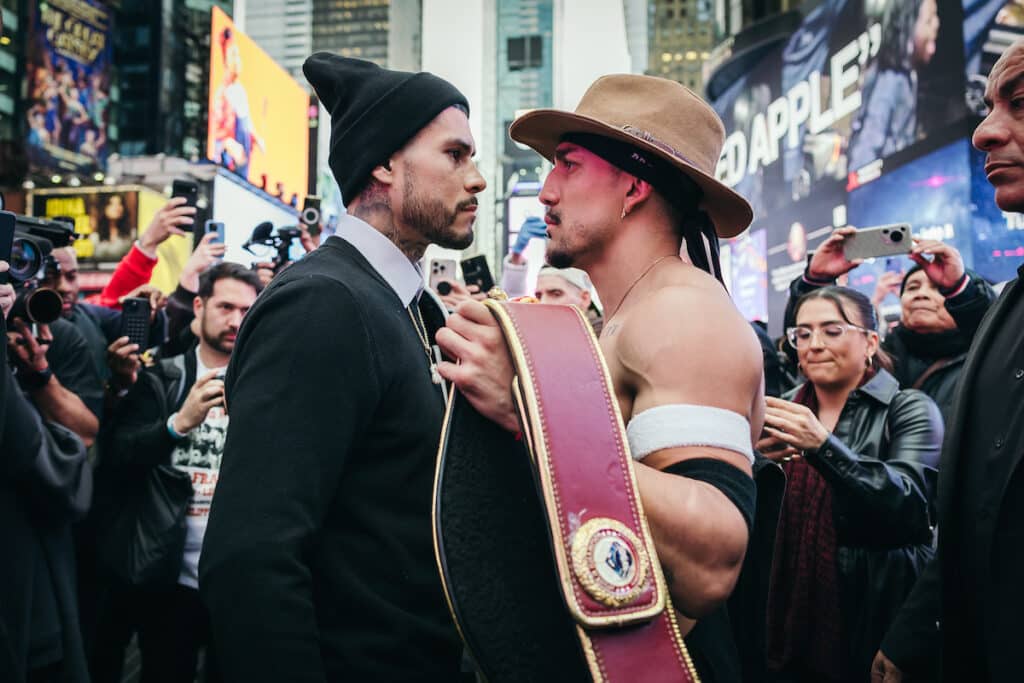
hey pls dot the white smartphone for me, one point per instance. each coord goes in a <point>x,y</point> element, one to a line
<point>441,269</point>
<point>879,240</point>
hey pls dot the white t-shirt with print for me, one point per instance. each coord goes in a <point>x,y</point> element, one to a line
<point>199,455</point>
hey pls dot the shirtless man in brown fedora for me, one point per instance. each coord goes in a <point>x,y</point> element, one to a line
<point>633,200</point>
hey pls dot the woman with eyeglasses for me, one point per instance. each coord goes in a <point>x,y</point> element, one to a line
<point>855,530</point>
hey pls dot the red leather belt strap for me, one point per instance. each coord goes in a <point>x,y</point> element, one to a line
<point>606,560</point>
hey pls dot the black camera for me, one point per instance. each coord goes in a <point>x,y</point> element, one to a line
<point>30,260</point>
<point>281,240</point>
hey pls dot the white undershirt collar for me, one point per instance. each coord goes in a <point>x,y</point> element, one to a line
<point>404,276</point>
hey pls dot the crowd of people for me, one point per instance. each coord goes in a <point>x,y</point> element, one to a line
<point>248,492</point>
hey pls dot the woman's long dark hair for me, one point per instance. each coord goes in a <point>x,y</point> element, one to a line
<point>846,299</point>
<point>898,21</point>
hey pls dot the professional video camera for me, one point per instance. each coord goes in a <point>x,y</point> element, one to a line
<point>281,240</point>
<point>30,260</point>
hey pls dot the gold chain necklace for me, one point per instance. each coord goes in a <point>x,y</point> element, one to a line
<point>421,333</point>
<point>635,283</point>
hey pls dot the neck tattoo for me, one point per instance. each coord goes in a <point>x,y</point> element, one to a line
<point>634,284</point>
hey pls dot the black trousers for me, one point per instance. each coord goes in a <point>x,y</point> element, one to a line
<point>172,626</point>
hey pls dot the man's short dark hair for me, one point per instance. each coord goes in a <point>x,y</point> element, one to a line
<point>221,271</point>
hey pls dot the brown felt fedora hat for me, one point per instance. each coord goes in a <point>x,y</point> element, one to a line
<point>656,115</point>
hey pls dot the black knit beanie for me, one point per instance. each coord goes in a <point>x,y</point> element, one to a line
<point>374,112</point>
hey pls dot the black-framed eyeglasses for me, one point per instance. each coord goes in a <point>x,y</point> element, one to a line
<point>799,337</point>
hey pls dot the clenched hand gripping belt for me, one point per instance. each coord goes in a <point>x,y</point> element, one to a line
<point>535,547</point>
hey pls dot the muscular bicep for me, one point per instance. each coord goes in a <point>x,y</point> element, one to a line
<point>690,357</point>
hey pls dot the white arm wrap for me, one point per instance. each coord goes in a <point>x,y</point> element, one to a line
<point>678,424</point>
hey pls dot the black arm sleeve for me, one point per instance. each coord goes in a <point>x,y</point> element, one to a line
<point>302,387</point>
<point>797,288</point>
<point>179,311</point>
<point>737,485</point>
<point>969,306</point>
<point>71,362</point>
<point>137,435</point>
<point>44,460</point>
<point>886,503</point>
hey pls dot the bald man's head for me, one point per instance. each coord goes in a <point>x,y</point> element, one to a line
<point>1001,134</point>
<point>64,279</point>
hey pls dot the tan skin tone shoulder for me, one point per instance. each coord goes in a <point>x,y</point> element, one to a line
<point>657,355</point>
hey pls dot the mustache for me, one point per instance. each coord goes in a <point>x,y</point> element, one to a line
<point>554,216</point>
<point>472,201</point>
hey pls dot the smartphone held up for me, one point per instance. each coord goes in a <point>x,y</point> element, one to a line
<point>879,240</point>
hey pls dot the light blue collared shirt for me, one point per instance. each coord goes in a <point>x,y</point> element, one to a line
<point>404,276</point>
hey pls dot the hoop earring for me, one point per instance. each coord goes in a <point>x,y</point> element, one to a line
<point>868,362</point>
<point>623,216</point>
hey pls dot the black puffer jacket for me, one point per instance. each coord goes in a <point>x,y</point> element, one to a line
<point>881,462</point>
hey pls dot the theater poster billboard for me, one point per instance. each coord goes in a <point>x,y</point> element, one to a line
<point>259,114</point>
<point>68,84</point>
<point>857,82</point>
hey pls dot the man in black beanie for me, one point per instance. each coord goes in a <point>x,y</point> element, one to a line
<point>318,560</point>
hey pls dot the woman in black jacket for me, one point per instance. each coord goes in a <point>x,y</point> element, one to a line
<point>856,526</point>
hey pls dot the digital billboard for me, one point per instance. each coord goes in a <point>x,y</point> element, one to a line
<point>240,209</point>
<point>67,71</point>
<point>998,236</point>
<point>990,26</point>
<point>745,271</point>
<point>931,193</point>
<point>791,233</point>
<point>108,220</point>
<point>858,81</point>
<point>259,126</point>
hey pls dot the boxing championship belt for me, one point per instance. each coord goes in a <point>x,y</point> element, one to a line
<point>547,560</point>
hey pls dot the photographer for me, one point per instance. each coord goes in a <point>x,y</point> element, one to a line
<point>942,305</point>
<point>171,424</point>
<point>68,389</point>
<point>45,484</point>
<point>99,325</point>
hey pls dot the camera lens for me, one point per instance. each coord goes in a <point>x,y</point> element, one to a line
<point>896,236</point>
<point>444,287</point>
<point>26,260</point>
<point>310,216</point>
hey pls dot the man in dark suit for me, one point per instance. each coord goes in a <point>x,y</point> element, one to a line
<point>318,559</point>
<point>973,589</point>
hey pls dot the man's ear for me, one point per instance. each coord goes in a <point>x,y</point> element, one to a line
<point>637,194</point>
<point>197,306</point>
<point>383,173</point>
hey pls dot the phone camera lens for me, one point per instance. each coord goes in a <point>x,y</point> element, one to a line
<point>444,287</point>
<point>896,237</point>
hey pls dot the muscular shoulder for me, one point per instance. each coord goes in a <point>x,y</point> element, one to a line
<point>687,343</point>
